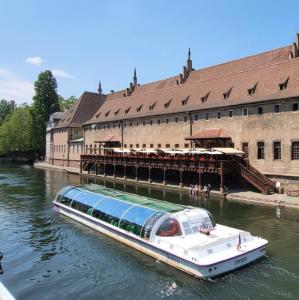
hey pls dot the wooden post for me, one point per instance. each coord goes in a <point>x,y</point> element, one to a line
<point>199,180</point>
<point>114,175</point>
<point>104,165</point>
<point>96,169</point>
<point>136,178</point>
<point>125,171</point>
<point>221,177</point>
<point>81,167</point>
<point>181,178</point>
<point>149,175</point>
<point>164,176</point>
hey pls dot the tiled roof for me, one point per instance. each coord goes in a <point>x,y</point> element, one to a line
<point>248,80</point>
<point>211,133</point>
<point>82,110</point>
<point>108,138</point>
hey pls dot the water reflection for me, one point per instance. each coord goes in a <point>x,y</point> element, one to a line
<point>46,253</point>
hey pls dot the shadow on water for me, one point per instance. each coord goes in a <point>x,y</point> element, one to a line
<point>48,256</point>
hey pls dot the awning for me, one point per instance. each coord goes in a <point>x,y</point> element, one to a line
<point>107,138</point>
<point>117,150</point>
<point>173,151</point>
<point>212,152</point>
<point>229,150</point>
<point>145,150</point>
<point>195,151</point>
<point>212,133</point>
<point>80,140</point>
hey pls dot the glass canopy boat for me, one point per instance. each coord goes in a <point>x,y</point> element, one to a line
<point>182,236</point>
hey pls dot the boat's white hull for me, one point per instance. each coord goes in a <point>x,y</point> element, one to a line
<point>202,271</point>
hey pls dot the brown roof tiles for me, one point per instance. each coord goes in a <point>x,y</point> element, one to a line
<point>82,110</point>
<point>205,88</point>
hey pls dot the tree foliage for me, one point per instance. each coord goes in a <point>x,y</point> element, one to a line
<point>16,131</point>
<point>66,104</point>
<point>6,108</point>
<point>45,103</point>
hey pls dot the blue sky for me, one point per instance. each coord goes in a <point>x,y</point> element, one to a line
<point>83,42</point>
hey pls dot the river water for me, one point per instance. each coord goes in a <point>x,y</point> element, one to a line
<point>49,256</point>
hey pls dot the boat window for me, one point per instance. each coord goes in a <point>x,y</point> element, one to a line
<point>211,219</point>
<point>110,210</point>
<point>135,218</point>
<point>138,214</point>
<point>64,190</point>
<point>72,193</point>
<point>81,207</point>
<point>150,223</point>
<point>170,227</point>
<point>68,196</point>
<point>89,199</point>
<point>112,207</point>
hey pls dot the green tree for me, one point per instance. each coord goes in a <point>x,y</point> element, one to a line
<point>66,104</point>
<point>6,108</point>
<point>45,103</point>
<point>16,131</point>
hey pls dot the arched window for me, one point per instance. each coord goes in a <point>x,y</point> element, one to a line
<point>170,227</point>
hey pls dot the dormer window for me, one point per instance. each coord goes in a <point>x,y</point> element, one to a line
<point>166,105</point>
<point>98,114</point>
<point>139,108</point>
<point>283,85</point>
<point>151,107</point>
<point>107,114</point>
<point>184,101</point>
<point>205,98</point>
<point>116,113</point>
<point>127,110</point>
<point>251,91</point>
<point>226,94</point>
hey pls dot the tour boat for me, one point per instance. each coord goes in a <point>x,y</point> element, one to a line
<point>185,237</point>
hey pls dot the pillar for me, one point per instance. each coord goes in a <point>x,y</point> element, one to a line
<point>81,167</point>
<point>104,165</point>
<point>181,178</point>
<point>199,180</point>
<point>221,177</point>
<point>136,178</point>
<point>125,172</point>
<point>164,176</point>
<point>149,175</point>
<point>114,175</point>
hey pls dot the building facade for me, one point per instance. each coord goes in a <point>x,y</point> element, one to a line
<point>253,100</point>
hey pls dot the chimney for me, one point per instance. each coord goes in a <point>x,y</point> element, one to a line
<point>185,73</point>
<point>189,61</point>
<point>135,78</point>
<point>100,88</point>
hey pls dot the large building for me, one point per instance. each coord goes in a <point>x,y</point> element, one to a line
<point>250,104</point>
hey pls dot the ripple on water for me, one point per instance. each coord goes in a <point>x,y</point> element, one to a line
<point>48,256</point>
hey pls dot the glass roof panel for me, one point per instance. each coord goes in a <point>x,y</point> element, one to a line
<point>65,189</point>
<point>89,199</point>
<point>135,199</point>
<point>72,193</point>
<point>113,207</point>
<point>138,215</point>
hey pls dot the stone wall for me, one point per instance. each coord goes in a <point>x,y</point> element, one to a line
<point>171,130</point>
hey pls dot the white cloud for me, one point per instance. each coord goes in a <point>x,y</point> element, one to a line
<point>13,87</point>
<point>37,61</point>
<point>4,72</point>
<point>62,74</point>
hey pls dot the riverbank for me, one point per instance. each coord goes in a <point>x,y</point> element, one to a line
<point>250,197</point>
